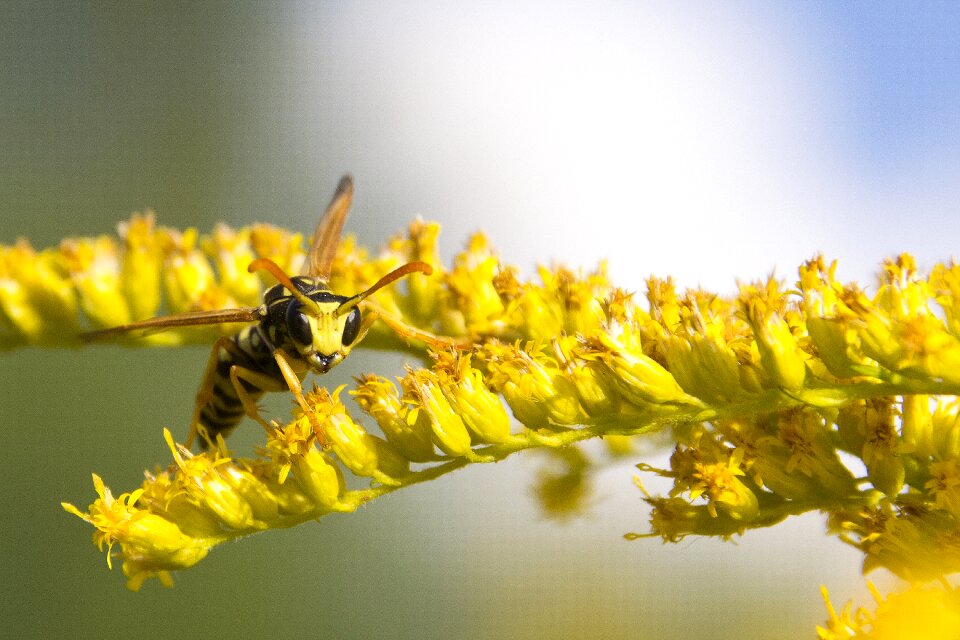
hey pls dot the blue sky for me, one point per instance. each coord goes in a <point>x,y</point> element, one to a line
<point>901,65</point>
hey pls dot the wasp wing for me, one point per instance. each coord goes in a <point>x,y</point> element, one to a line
<point>326,237</point>
<point>190,318</point>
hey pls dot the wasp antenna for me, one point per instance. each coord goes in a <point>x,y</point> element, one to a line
<point>345,184</point>
<point>390,278</point>
<point>271,267</point>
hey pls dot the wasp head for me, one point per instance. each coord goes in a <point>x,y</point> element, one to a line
<point>323,327</point>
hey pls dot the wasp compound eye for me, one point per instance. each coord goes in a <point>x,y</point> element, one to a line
<point>351,327</point>
<point>298,326</point>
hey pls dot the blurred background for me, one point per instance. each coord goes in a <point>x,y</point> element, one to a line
<point>708,141</point>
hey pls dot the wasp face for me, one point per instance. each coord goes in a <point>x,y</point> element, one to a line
<point>323,334</point>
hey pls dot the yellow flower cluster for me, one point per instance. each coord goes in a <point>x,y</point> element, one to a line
<point>768,393</point>
<point>49,297</point>
<point>794,379</point>
<point>931,613</point>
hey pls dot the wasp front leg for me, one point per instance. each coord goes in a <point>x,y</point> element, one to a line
<point>296,388</point>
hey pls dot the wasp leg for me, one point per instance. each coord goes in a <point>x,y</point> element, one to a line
<point>296,387</point>
<point>205,394</point>
<point>408,332</point>
<point>261,381</point>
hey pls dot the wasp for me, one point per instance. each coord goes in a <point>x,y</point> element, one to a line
<point>302,326</point>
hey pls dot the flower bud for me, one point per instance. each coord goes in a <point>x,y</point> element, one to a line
<point>421,290</point>
<point>433,410</point>
<point>160,496</point>
<point>187,275</point>
<point>887,473</point>
<point>94,268</point>
<point>471,284</point>
<point>231,254</point>
<point>782,359</point>
<point>141,266</point>
<point>532,383</point>
<point>639,378</point>
<point>834,340</point>
<point>210,490</point>
<point>281,246</point>
<point>198,477</point>
<point>919,433</point>
<point>378,397</point>
<point>881,449</point>
<point>262,502</point>
<point>705,369</point>
<point>595,387</point>
<point>480,409</point>
<point>363,454</point>
<point>319,477</point>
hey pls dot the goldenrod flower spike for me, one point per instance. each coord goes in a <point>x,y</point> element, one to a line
<point>765,394</point>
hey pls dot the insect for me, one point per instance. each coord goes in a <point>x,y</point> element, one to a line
<point>301,326</point>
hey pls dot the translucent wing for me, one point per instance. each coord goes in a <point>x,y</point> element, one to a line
<point>190,318</point>
<point>327,235</point>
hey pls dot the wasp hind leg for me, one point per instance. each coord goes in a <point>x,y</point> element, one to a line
<point>238,375</point>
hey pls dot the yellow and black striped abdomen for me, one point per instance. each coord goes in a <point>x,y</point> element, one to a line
<point>224,410</point>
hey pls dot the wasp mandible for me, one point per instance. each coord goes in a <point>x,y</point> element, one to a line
<point>301,326</point>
